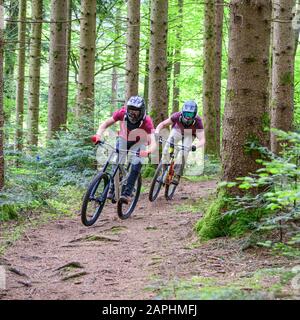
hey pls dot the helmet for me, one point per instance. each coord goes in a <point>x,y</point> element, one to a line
<point>189,112</point>
<point>136,109</point>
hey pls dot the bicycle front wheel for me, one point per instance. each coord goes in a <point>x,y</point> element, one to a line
<point>157,183</point>
<point>94,199</point>
<point>125,210</point>
<point>170,190</point>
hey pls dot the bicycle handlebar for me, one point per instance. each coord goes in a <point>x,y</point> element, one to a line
<point>178,146</point>
<point>136,153</point>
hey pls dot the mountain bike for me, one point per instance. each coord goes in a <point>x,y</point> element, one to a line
<point>96,195</point>
<point>164,173</point>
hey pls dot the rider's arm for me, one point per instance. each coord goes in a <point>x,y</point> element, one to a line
<point>163,124</point>
<point>201,137</point>
<point>152,146</point>
<point>103,126</point>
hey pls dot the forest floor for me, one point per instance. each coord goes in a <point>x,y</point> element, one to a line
<point>153,255</point>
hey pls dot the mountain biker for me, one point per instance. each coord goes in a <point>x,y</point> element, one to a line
<point>136,134</point>
<point>186,126</point>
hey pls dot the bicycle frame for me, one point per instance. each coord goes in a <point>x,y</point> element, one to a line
<point>114,177</point>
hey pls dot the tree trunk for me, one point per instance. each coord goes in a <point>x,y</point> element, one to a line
<point>34,72</point>
<point>177,64</point>
<point>1,98</point>
<point>282,102</point>
<point>209,111</point>
<point>86,77</point>
<point>218,69</point>
<point>158,89</point>
<point>114,83</point>
<point>246,109</point>
<point>21,77</point>
<point>11,35</point>
<point>69,40</point>
<point>132,48</point>
<point>58,67</point>
<point>296,25</point>
<point>146,80</point>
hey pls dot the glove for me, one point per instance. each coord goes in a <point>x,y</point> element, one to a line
<point>96,138</point>
<point>144,153</point>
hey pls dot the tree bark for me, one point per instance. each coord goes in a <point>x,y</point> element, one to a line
<point>58,67</point>
<point>146,79</point>
<point>86,77</point>
<point>132,48</point>
<point>34,72</point>
<point>114,83</point>
<point>218,69</point>
<point>11,35</point>
<point>21,76</point>
<point>1,98</point>
<point>158,88</point>
<point>209,111</point>
<point>282,101</point>
<point>177,57</point>
<point>246,109</point>
<point>69,40</point>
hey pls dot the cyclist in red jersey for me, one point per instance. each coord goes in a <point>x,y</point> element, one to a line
<point>136,134</point>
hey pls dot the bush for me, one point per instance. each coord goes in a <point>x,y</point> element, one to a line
<point>276,206</point>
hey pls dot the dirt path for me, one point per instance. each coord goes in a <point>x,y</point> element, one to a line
<point>117,259</point>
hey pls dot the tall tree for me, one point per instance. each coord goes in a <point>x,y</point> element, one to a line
<point>11,35</point>
<point>69,40</point>
<point>58,59</point>
<point>177,56</point>
<point>218,69</point>
<point>85,88</point>
<point>34,71</point>
<point>1,97</point>
<point>146,79</point>
<point>282,101</point>
<point>21,75</point>
<point>296,26</point>
<point>158,89</point>
<point>114,83</point>
<point>209,111</point>
<point>246,108</point>
<point>132,48</point>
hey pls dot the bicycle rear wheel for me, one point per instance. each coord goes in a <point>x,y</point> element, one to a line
<point>157,183</point>
<point>94,199</point>
<point>125,210</point>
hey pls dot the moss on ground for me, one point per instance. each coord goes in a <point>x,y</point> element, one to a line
<point>260,285</point>
<point>216,223</point>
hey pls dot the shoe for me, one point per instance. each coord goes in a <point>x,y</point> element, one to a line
<point>176,179</point>
<point>125,199</point>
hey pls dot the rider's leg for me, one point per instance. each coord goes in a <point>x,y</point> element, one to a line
<point>136,166</point>
<point>121,144</point>
<point>182,156</point>
<point>174,137</point>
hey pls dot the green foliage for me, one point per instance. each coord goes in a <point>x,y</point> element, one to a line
<point>263,284</point>
<point>44,173</point>
<point>217,222</point>
<point>278,197</point>
<point>148,170</point>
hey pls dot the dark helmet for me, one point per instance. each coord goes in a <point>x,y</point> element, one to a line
<point>189,112</point>
<point>136,109</point>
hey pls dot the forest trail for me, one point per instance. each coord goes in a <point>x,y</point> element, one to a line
<point>128,259</point>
